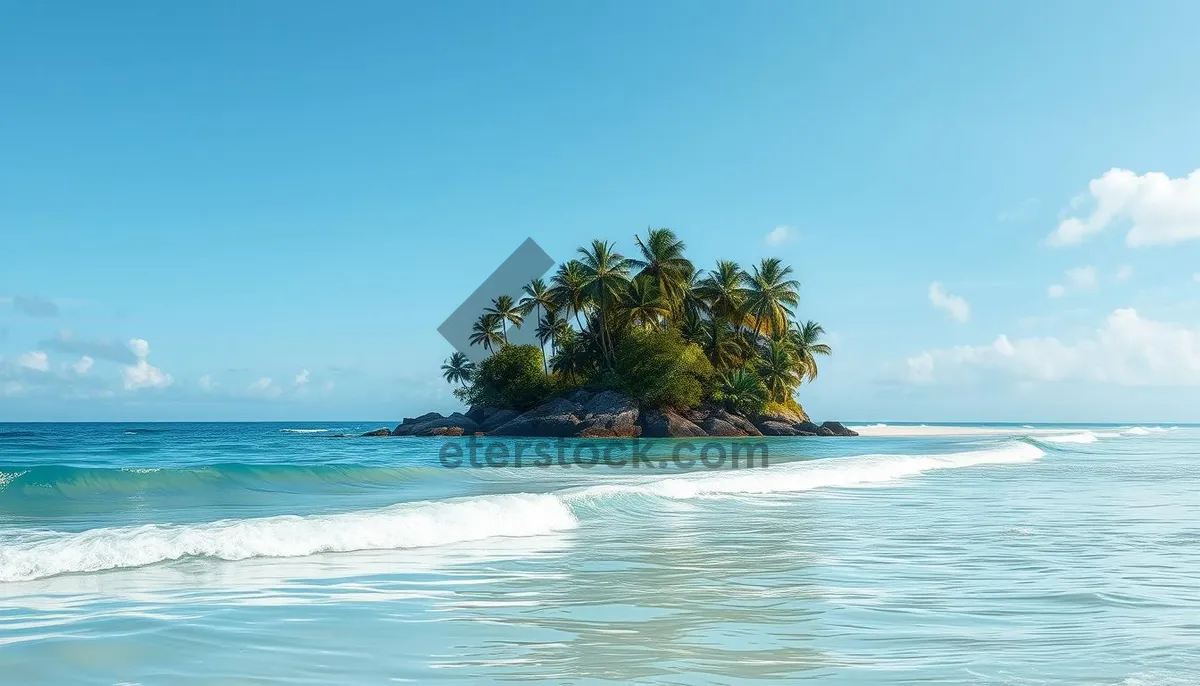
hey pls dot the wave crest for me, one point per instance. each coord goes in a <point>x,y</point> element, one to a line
<point>407,525</point>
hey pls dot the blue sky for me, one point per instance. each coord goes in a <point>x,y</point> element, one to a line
<point>255,210</point>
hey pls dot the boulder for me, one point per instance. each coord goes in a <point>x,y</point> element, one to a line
<point>773,428</point>
<point>784,416</point>
<point>378,432</point>
<point>738,421</point>
<point>579,396</point>
<point>418,428</point>
<point>497,419</point>
<point>714,426</point>
<point>408,423</point>
<point>440,431</point>
<point>556,418</point>
<point>479,414</point>
<point>668,424</point>
<point>610,414</point>
<point>825,431</point>
<point>838,429</point>
<point>808,429</point>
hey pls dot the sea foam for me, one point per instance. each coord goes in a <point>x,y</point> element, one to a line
<point>1080,437</point>
<point>811,474</point>
<point>407,525</point>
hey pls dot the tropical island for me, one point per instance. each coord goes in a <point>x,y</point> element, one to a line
<point>639,346</point>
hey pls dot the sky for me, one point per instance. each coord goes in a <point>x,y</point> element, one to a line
<point>264,210</point>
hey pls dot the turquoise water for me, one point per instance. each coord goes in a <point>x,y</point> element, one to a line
<point>278,554</point>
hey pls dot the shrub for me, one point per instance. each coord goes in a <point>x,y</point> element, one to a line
<point>512,378</point>
<point>660,369</point>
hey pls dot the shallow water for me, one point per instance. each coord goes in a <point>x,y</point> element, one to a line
<point>275,553</point>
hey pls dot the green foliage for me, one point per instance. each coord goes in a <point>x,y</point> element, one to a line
<point>511,378</point>
<point>659,369</point>
<point>741,391</point>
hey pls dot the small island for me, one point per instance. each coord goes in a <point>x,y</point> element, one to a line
<point>639,346</point>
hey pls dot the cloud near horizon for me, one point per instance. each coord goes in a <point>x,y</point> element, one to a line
<point>142,374</point>
<point>1159,209</point>
<point>1126,350</point>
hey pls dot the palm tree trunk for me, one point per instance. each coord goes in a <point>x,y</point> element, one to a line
<point>542,345</point>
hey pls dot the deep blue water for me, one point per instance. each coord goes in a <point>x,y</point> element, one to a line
<point>278,553</point>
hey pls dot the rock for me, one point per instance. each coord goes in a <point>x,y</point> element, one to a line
<point>579,396</point>
<point>667,424</point>
<point>418,428</point>
<point>479,414</point>
<point>497,419</point>
<point>440,431</point>
<point>719,427</point>
<point>773,428</point>
<point>610,414</point>
<point>738,421</point>
<point>556,418</point>
<point>808,429</point>
<point>783,417</point>
<point>378,432</point>
<point>838,429</point>
<point>825,431</point>
<point>408,423</point>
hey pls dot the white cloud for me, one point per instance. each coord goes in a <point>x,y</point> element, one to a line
<point>953,304</point>
<point>264,387</point>
<point>84,365</point>
<point>779,235</point>
<point>37,361</point>
<point>139,347</point>
<point>1196,277</point>
<point>142,374</point>
<point>1126,350</point>
<point>206,383</point>
<point>1160,210</point>
<point>12,388</point>
<point>1079,279</point>
<point>302,378</point>
<point>1124,273</point>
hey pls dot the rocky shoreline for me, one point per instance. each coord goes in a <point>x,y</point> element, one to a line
<point>609,414</point>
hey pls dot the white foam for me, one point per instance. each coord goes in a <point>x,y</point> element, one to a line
<point>407,525</point>
<point>1081,437</point>
<point>811,474</point>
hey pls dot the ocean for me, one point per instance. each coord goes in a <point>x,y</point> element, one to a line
<point>256,553</point>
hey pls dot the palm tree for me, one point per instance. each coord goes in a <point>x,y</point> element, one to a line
<point>486,332</point>
<point>741,390</point>
<point>606,276</point>
<point>724,291</point>
<point>537,297</point>
<point>567,289</point>
<point>720,344</point>
<point>570,359</point>
<point>662,262</point>
<point>805,340</point>
<point>458,369</point>
<point>504,308</point>
<point>777,369</point>
<point>642,305</point>
<point>771,297</point>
